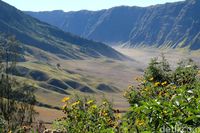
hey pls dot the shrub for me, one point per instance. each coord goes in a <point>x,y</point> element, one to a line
<point>164,99</point>
<point>2,124</point>
<point>85,115</point>
<point>16,100</point>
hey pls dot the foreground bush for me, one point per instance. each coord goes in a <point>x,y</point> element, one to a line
<point>2,124</point>
<point>16,99</point>
<point>165,100</point>
<point>86,116</point>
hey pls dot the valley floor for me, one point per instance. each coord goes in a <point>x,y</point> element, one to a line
<point>116,73</point>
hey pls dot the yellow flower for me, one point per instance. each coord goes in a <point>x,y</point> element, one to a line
<point>105,114</point>
<point>65,99</point>
<point>146,89</point>
<point>90,102</point>
<point>105,102</point>
<point>139,122</point>
<point>137,79</point>
<point>157,84</point>
<point>164,83</point>
<point>64,107</point>
<point>151,79</point>
<point>75,103</point>
<point>130,87</point>
<point>94,106</point>
<point>118,116</point>
<point>199,72</point>
<point>165,112</point>
<point>144,81</point>
<point>174,87</point>
<point>125,94</point>
<point>160,93</point>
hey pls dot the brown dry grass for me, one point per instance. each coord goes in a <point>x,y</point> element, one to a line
<point>117,73</point>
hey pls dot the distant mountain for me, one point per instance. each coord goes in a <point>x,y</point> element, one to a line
<point>168,25</point>
<point>37,35</point>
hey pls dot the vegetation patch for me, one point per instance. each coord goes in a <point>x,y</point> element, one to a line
<point>53,88</point>
<point>58,83</point>
<point>21,71</point>
<point>105,88</point>
<point>73,84</point>
<point>165,100</point>
<point>86,89</point>
<point>79,86</point>
<point>38,75</point>
<point>84,115</point>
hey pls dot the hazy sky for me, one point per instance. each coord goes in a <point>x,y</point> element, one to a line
<point>74,5</point>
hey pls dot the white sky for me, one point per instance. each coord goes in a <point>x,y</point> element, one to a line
<point>74,5</point>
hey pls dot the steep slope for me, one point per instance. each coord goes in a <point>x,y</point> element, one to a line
<point>168,25</point>
<point>34,33</point>
<point>174,25</point>
<point>111,25</point>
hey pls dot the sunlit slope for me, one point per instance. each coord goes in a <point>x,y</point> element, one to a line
<point>32,32</point>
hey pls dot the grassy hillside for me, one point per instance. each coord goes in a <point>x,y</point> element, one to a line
<point>43,47</point>
<point>97,73</point>
<point>32,32</point>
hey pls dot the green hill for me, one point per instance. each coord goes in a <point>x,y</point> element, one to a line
<point>43,47</point>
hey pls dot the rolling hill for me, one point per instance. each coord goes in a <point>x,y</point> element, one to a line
<point>35,35</point>
<point>44,46</point>
<point>167,25</point>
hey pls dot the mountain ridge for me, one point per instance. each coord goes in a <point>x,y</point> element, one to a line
<point>32,32</point>
<point>165,25</point>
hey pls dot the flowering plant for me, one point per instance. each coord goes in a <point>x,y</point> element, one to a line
<point>165,98</point>
<point>85,115</point>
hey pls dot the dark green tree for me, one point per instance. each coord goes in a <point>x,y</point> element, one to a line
<point>16,100</point>
<point>159,71</point>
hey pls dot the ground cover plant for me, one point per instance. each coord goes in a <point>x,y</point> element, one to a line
<point>166,99</point>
